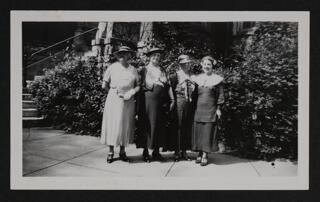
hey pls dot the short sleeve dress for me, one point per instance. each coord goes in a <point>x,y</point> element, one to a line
<point>118,121</point>
<point>209,96</point>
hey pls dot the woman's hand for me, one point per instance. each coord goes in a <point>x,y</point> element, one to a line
<point>218,112</point>
<point>128,95</point>
<point>171,106</point>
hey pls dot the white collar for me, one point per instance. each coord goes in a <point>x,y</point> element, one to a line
<point>208,80</point>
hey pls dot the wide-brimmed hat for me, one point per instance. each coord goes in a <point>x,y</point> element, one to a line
<point>154,50</point>
<point>124,49</point>
<point>184,59</point>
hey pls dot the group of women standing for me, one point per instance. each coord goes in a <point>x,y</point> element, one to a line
<point>192,103</point>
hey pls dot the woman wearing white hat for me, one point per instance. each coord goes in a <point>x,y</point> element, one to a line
<point>118,124</point>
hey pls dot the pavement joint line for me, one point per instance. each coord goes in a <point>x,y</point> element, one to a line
<point>26,140</point>
<point>46,157</point>
<point>63,161</point>
<point>255,168</point>
<point>54,159</point>
<point>29,134</point>
<point>169,169</point>
<point>108,171</point>
<point>45,149</point>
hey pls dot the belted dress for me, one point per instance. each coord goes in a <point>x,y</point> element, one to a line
<point>209,97</point>
<point>118,122</point>
<point>151,114</point>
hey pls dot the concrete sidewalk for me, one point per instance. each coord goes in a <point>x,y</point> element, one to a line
<point>49,152</point>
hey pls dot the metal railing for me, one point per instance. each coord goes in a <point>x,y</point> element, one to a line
<point>63,41</point>
<point>28,58</point>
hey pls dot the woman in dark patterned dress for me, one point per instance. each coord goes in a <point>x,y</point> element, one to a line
<point>209,99</point>
<point>184,90</point>
<point>155,90</point>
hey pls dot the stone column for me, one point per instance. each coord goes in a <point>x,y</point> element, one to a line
<point>146,31</point>
<point>107,41</point>
<point>98,42</point>
<point>145,35</point>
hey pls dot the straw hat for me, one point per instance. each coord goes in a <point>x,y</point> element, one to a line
<point>154,50</point>
<point>184,59</point>
<point>124,49</point>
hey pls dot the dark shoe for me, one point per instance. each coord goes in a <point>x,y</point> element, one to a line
<point>176,157</point>
<point>204,161</point>
<point>123,157</point>
<point>146,158</point>
<point>184,156</point>
<point>110,158</point>
<point>157,157</point>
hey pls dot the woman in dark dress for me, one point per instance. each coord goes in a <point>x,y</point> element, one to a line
<point>155,90</point>
<point>209,99</point>
<point>184,90</point>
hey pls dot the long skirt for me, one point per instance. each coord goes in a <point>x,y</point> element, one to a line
<point>151,119</point>
<point>118,120</point>
<point>204,136</point>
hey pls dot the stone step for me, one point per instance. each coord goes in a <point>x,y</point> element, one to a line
<point>26,96</point>
<point>33,118</point>
<point>28,104</point>
<point>28,83</point>
<point>38,77</point>
<point>30,112</point>
<point>25,90</point>
<point>29,122</point>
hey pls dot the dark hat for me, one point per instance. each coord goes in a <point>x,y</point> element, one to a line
<point>124,49</point>
<point>184,59</point>
<point>154,50</point>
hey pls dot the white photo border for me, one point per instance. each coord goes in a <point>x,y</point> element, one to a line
<point>299,182</point>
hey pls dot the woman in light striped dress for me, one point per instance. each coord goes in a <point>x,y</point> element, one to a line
<point>118,122</point>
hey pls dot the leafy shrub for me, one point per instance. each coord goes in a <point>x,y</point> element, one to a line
<point>70,96</point>
<point>262,92</point>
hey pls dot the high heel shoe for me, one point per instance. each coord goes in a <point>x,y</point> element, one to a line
<point>204,161</point>
<point>198,159</point>
<point>146,158</point>
<point>176,157</point>
<point>184,156</point>
<point>110,157</point>
<point>123,157</point>
<point>157,156</point>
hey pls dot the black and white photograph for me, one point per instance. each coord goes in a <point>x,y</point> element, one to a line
<point>159,100</point>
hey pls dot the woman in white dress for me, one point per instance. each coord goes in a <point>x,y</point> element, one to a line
<point>118,122</point>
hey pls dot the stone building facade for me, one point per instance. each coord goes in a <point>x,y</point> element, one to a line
<point>109,35</point>
<point>220,34</point>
